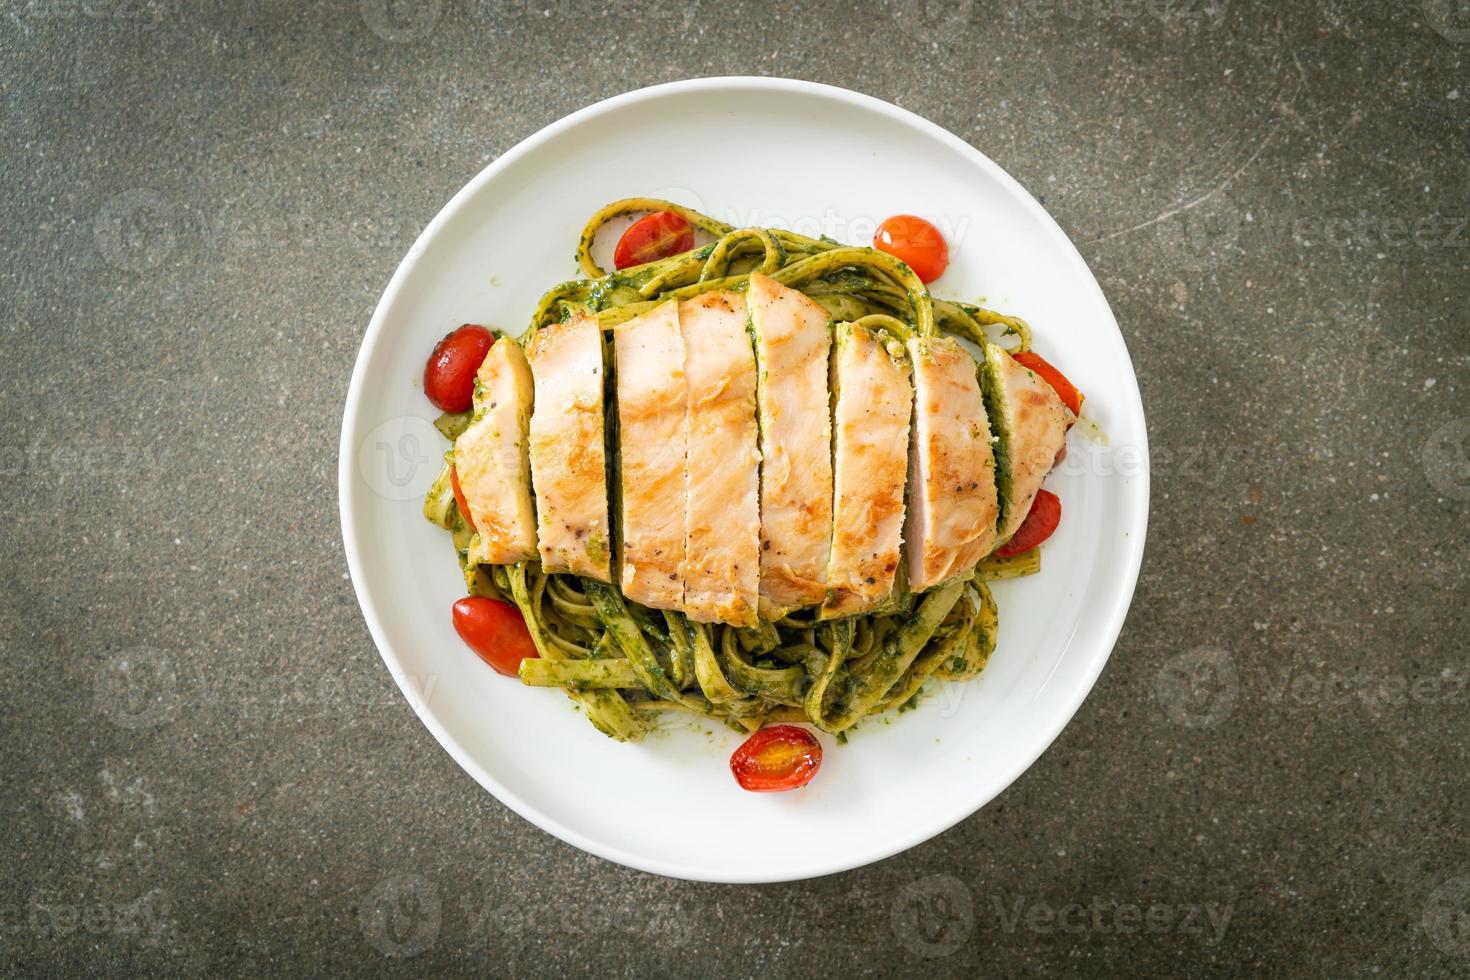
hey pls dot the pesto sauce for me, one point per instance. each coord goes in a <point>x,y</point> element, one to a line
<point>597,549</point>
<point>990,392</point>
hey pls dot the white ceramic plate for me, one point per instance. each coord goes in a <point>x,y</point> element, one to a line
<point>813,159</point>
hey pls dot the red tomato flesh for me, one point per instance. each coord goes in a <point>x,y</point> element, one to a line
<point>913,240</point>
<point>1045,515</point>
<point>449,377</point>
<point>778,758</point>
<point>653,237</point>
<point>495,631</point>
<point>464,507</point>
<point>1065,390</point>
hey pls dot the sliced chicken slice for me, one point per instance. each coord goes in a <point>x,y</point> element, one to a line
<point>791,346</point>
<point>490,459</point>
<point>722,560</point>
<point>1031,423</point>
<point>952,496</point>
<point>874,400</point>
<point>568,455</point>
<point>652,418</point>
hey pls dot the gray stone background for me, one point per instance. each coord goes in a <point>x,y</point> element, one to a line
<point>206,766</point>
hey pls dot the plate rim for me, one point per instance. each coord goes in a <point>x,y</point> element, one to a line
<point>1137,501</point>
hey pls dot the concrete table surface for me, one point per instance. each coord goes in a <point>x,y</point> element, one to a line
<point>206,766</point>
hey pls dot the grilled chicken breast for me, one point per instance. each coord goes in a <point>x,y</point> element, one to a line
<point>952,490</point>
<point>791,346</point>
<point>722,557</point>
<point>874,400</point>
<point>1031,425</point>
<point>652,419</point>
<point>490,459</point>
<point>568,454</point>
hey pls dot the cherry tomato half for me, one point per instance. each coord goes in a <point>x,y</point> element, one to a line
<point>495,631</point>
<point>449,377</point>
<point>1045,515</point>
<point>1065,390</point>
<point>652,237</point>
<point>777,758</point>
<point>915,241</point>
<point>464,507</point>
